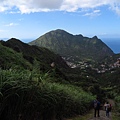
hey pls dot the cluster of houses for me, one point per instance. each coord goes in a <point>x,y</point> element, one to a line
<point>116,64</point>
<point>102,68</point>
<point>109,67</point>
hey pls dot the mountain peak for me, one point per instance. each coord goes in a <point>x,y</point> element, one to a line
<point>73,46</point>
<point>14,40</point>
<point>95,37</point>
<point>59,32</point>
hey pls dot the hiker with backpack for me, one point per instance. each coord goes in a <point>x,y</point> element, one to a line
<point>96,108</point>
<point>105,106</point>
<point>108,109</point>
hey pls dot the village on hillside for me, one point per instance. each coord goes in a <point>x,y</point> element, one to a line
<point>102,68</point>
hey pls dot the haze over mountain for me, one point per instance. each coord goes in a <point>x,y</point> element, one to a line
<point>73,47</point>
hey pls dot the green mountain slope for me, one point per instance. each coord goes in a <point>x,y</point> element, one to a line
<point>10,58</point>
<point>73,47</point>
<point>37,57</point>
<point>32,53</point>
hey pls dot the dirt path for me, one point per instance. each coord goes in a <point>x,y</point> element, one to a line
<point>90,116</point>
<point>102,116</point>
<point>103,113</point>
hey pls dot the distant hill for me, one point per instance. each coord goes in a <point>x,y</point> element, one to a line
<point>73,47</point>
<point>15,51</point>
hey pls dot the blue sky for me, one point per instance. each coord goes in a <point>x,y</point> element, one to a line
<point>29,20</point>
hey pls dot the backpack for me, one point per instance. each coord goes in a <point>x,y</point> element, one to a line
<point>95,104</point>
<point>108,107</point>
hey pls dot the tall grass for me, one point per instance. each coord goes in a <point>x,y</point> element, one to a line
<point>117,102</point>
<point>32,95</point>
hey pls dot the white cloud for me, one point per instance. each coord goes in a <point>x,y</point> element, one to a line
<point>11,24</point>
<point>14,12</point>
<point>116,6</point>
<point>93,13</point>
<point>25,6</point>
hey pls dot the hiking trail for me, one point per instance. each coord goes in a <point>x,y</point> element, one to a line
<point>102,116</point>
<point>103,113</point>
<point>91,114</point>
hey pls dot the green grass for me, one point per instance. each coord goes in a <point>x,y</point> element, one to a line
<point>28,92</point>
<point>11,59</point>
<point>115,116</point>
<point>84,117</point>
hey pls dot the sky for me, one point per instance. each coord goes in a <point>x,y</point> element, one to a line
<point>29,19</point>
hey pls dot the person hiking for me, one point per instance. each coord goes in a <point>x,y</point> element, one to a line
<point>96,108</point>
<point>105,106</point>
<point>107,109</point>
